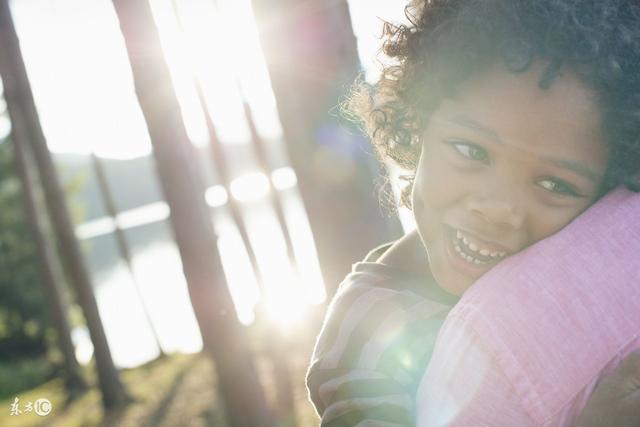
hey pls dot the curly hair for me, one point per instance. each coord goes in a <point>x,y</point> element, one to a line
<point>447,41</point>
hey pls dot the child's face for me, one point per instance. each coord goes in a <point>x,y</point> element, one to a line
<point>504,164</point>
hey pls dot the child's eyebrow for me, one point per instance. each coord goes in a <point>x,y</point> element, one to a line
<point>577,167</point>
<point>465,121</point>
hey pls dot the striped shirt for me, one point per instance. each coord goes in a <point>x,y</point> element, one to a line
<point>374,345</point>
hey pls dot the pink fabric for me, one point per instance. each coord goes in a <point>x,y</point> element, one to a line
<point>528,342</point>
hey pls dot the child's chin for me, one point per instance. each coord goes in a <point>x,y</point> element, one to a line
<point>452,282</point>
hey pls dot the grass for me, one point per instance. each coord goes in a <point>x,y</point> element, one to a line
<point>177,390</point>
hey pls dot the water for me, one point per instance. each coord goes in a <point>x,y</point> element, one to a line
<point>157,270</point>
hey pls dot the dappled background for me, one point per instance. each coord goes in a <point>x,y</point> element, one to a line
<point>179,199</point>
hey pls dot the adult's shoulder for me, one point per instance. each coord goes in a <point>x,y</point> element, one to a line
<point>555,317</point>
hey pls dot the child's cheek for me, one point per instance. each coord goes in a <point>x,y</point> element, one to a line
<point>439,184</point>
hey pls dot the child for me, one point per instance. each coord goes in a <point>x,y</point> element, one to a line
<point>514,116</point>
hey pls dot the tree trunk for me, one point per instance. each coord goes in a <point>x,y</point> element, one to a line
<point>285,404</point>
<point>222,334</point>
<point>121,241</point>
<point>312,58</point>
<point>20,100</point>
<point>49,269</point>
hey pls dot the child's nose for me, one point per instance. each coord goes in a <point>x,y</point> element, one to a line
<point>499,209</point>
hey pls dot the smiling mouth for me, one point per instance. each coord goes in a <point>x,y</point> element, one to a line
<point>473,251</point>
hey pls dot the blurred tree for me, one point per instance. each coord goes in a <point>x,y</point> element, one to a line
<point>25,246</point>
<point>276,351</point>
<point>23,306</point>
<point>312,58</point>
<point>50,273</point>
<point>21,106</point>
<point>26,297</point>
<point>223,336</point>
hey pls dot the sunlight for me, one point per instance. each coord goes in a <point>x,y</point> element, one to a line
<point>97,227</point>
<point>142,215</point>
<point>82,85</point>
<point>283,293</point>
<point>159,271</point>
<point>367,17</point>
<point>310,277</point>
<point>131,218</point>
<point>82,344</point>
<point>130,337</point>
<point>86,101</point>
<point>5,126</point>
<point>285,310</point>
<point>248,64</point>
<point>125,325</point>
<point>5,121</point>
<point>216,196</point>
<point>195,42</point>
<point>284,178</point>
<point>250,187</point>
<point>237,268</point>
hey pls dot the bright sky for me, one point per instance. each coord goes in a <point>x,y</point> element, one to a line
<point>367,17</point>
<point>81,80</point>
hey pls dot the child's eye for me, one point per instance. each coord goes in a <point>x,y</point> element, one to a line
<point>559,187</point>
<point>471,151</point>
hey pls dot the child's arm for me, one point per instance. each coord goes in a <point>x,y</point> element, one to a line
<point>371,352</point>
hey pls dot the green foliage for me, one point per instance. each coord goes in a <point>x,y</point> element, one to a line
<point>19,375</point>
<point>24,318</point>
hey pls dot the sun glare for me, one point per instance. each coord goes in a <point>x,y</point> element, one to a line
<point>284,178</point>
<point>82,85</point>
<point>286,310</point>
<point>250,187</point>
<point>86,102</point>
<point>216,196</point>
<point>195,39</point>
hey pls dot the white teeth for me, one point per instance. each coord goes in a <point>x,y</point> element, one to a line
<point>466,257</point>
<point>475,248</point>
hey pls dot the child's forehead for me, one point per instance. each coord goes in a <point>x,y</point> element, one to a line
<point>567,89</point>
<point>498,91</point>
<point>511,107</point>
